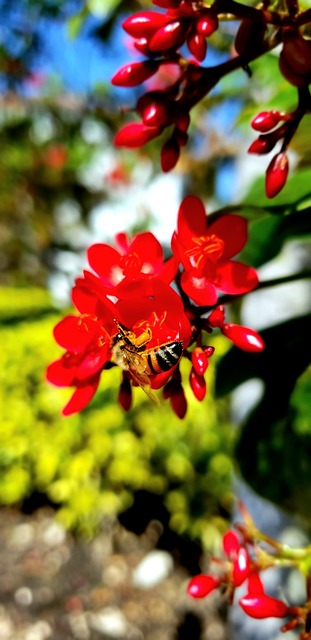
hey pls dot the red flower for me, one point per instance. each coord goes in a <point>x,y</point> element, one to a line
<point>88,349</point>
<point>125,272</point>
<point>160,311</point>
<point>206,251</point>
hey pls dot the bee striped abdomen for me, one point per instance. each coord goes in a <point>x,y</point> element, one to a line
<point>165,357</point>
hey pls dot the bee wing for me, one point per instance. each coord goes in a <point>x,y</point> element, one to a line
<point>143,381</point>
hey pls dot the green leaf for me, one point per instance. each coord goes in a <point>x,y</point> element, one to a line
<point>267,236</point>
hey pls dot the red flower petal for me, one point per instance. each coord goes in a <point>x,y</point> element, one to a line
<point>61,372</point>
<point>149,250</point>
<point>191,221</point>
<point>74,333</point>
<point>81,397</point>
<point>198,288</point>
<point>232,230</point>
<point>105,261</point>
<point>93,362</point>
<point>235,277</point>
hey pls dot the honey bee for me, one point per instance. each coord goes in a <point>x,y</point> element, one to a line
<point>129,352</point>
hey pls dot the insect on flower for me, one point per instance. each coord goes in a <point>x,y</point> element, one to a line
<point>129,352</point>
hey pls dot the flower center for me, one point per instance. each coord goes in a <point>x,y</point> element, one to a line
<point>205,248</point>
<point>131,265</point>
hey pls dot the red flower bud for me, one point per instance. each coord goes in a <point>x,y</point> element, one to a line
<point>263,606</point>
<point>198,385</point>
<point>209,351</point>
<point>230,544</point>
<point>197,46</point>
<point>217,317</point>
<point>199,360</point>
<point>179,404</point>
<point>266,120</point>
<point>276,175</point>
<point>135,135</point>
<point>241,567</point>
<point>263,144</point>
<point>170,154</point>
<point>201,585</point>
<point>171,36</point>
<point>144,24</point>
<point>243,337</point>
<point>207,24</point>
<point>174,391</point>
<point>125,394</point>
<point>133,74</point>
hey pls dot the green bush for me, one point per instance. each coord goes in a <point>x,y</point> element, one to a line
<point>92,463</point>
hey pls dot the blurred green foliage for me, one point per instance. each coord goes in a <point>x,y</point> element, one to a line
<point>92,463</point>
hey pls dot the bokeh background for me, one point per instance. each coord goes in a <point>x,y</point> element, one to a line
<point>103,490</point>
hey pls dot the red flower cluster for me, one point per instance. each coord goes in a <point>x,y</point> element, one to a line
<point>244,562</point>
<point>163,37</point>
<point>129,315</point>
<point>159,36</point>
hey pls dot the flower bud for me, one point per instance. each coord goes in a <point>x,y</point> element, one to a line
<point>276,175</point>
<point>243,337</point>
<point>170,154</point>
<point>217,317</point>
<point>199,359</point>
<point>230,544</point>
<point>197,46</point>
<point>263,144</point>
<point>134,74</point>
<point>241,567</point>
<point>198,385</point>
<point>170,36</point>
<point>263,606</point>
<point>125,394</point>
<point>266,120</point>
<point>134,135</point>
<point>207,24</point>
<point>144,24</point>
<point>200,586</point>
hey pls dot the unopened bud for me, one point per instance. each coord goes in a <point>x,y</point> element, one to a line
<point>276,175</point>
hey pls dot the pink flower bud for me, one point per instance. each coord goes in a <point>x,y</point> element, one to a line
<point>243,337</point>
<point>198,385</point>
<point>276,175</point>
<point>263,606</point>
<point>266,120</point>
<point>199,360</point>
<point>217,317</point>
<point>133,74</point>
<point>200,586</point>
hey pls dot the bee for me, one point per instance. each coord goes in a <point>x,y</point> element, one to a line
<point>130,353</point>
